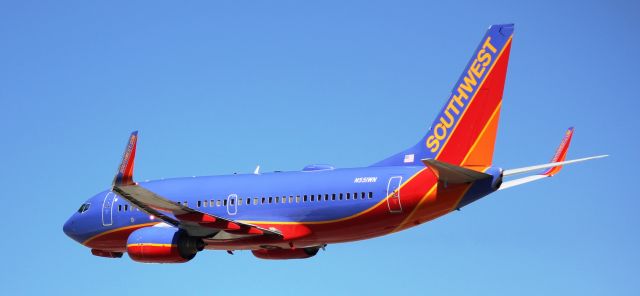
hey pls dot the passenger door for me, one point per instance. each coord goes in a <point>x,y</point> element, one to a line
<point>232,204</point>
<point>393,194</point>
<point>107,209</point>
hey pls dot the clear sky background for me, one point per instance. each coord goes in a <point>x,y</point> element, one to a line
<point>217,87</point>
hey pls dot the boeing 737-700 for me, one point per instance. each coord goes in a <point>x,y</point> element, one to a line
<point>292,215</point>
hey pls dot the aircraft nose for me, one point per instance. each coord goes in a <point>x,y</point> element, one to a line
<point>72,229</point>
<point>69,228</point>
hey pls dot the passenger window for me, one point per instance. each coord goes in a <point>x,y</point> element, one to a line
<point>119,208</point>
<point>326,197</point>
<point>263,201</point>
<point>277,199</point>
<point>355,195</point>
<point>297,198</point>
<point>304,198</point>
<point>270,199</point>
<point>348,195</point>
<point>312,197</point>
<point>284,199</point>
<point>370,194</point>
<point>290,198</point>
<point>224,202</point>
<point>333,196</point>
<point>199,204</point>
<point>255,200</point>
<point>239,201</point>
<point>248,201</point>
<point>340,196</point>
<point>185,204</point>
<point>126,208</point>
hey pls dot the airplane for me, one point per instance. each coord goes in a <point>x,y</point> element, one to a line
<point>293,215</point>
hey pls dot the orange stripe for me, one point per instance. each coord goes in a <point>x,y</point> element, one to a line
<point>151,245</point>
<point>480,136</point>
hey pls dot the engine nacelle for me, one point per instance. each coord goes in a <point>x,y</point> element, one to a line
<point>162,245</point>
<point>282,254</point>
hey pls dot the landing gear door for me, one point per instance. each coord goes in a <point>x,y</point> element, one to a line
<point>393,194</point>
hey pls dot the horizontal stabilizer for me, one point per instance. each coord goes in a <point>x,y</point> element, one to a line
<point>453,174</point>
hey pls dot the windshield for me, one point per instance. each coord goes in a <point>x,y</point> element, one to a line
<point>84,207</point>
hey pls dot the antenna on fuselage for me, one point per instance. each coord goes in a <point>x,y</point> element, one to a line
<point>257,170</point>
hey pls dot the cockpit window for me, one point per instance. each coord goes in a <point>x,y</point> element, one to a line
<point>84,207</point>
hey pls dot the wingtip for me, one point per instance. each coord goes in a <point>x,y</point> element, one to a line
<point>561,152</point>
<point>124,175</point>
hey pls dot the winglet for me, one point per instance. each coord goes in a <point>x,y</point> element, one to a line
<point>561,153</point>
<point>124,175</point>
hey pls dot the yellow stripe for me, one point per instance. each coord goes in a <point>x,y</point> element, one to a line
<point>118,229</point>
<point>336,220</point>
<point>150,245</point>
<point>484,129</point>
<point>472,98</point>
<point>422,200</point>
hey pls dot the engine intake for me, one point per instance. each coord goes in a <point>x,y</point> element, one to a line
<point>162,245</point>
<point>282,254</point>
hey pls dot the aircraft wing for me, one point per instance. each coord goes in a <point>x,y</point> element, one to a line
<point>195,222</point>
<point>552,168</point>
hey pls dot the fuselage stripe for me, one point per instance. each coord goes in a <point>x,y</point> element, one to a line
<point>118,229</point>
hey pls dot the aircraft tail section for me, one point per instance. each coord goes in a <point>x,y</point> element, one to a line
<point>464,131</point>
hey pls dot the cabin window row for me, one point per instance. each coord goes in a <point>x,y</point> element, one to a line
<point>127,208</point>
<point>284,199</point>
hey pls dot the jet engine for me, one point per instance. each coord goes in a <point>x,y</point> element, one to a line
<point>281,254</point>
<point>162,245</point>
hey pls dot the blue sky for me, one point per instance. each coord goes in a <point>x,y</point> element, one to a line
<point>218,87</point>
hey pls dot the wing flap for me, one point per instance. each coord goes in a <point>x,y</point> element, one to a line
<point>184,217</point>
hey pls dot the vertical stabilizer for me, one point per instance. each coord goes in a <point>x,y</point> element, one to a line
<point>464,131</point>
